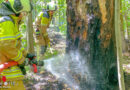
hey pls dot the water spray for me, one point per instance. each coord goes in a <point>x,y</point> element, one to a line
<point>64,67</point>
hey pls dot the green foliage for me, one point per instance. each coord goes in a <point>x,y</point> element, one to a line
<point>1,1</point>
<point>126,15</point>
<point>23,31</point>
<point>62,16</point>
<point>23,28</point>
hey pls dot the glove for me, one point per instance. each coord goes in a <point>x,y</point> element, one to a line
<point>22,66</point>
<point>32,59</point>
<point>31,56</point>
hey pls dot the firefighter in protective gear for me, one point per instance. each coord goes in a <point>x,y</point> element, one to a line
<point>42,23</point>
<point>11,13</point>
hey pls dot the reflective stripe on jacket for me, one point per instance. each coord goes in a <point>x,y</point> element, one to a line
<point>8,30</point>
<point>9,47</point>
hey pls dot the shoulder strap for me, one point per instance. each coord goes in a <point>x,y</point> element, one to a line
<point>6,18</point>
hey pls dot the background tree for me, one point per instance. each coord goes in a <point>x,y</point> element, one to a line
<point>125,23</point>
<point>30,40</point>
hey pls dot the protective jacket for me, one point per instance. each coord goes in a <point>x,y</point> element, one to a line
<point>42,22</point>
<point>10,44</point>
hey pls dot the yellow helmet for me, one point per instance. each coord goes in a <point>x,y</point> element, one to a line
<point>20,5</point>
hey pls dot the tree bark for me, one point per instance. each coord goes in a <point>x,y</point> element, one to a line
<point>119,45</point>
<point>91,32</point>
<point>30,40</point>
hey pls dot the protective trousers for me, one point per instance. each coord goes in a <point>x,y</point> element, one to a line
<point>12,85</point>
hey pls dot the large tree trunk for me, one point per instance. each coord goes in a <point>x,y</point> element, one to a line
<point>91,32</point>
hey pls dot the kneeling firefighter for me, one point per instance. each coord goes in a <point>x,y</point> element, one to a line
<point>12,57</point>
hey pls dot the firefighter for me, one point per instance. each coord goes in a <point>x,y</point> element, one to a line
<point>11,13</point>
<point>42,23</point>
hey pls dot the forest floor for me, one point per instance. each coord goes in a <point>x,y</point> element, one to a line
<point>44,80</point>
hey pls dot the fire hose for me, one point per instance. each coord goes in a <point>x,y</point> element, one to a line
<point>33,62</point>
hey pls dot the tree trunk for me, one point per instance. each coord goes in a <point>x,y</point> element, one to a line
<point>91,32</point>
<point>30,46</point>
<point>122,29</point>
<point>119,45</point>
